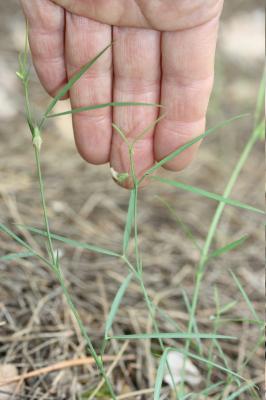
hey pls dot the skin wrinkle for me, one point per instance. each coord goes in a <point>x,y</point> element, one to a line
<point>186,83</point>
<point>146,18</point>
<point>164,9</point>
<point>138,87</point>
<point>179,16</point>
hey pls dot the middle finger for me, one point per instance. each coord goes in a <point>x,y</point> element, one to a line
<point>136,61</point>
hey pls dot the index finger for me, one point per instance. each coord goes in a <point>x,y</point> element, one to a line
<point>46,36</point>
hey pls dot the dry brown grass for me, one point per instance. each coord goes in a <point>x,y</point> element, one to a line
<point>85,204</point>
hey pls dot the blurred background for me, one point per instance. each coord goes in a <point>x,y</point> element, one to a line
<point>36,327</point>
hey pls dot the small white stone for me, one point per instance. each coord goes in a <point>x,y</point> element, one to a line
<point>190,373</point>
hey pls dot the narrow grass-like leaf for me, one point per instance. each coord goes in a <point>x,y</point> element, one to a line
<point>209,195</point>
<point>17,239</point>
<point>160,374</point>
<point>16,256</point>
<point>171,156</point>
<point>195,326</point>
<point>73,243</point>
<point>208,362</point>
<point>62,92</point>
<point>167,318</point>
<point>228,247</point>
<point>142,134</point>
<point>245,296</point>
<point>130,221</point>
<point>104,105</point>
<point>243,389</point>
<point>197,358</point>
<point>121,134</point>
<point>260,100</point>
<point>228,307</point>
<point>13,236</point>
<point>187,231</point>
<point>257,322</point>
<point>204,392</point>
<point>255,134</point>
<point>215,342</point>
<point>168,335</point>
<point>116,303</point>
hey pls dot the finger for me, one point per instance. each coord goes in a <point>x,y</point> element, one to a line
<point>188,69</point>
<point>84,40</point>
<point>46,37</point>
<point>136,79</point>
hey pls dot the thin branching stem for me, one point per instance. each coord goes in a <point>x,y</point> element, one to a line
<point>213,228</point>
<point>54,261</point>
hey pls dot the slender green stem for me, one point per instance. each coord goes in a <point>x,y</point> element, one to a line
<point>43,201</point>
<point>215,328</point>
<point>151,310</point>
<point>53,263</point>
<point>214,224</point>
<point>136,188</point>
<point>97,359</point>
<point>138,274</point>
<point>57,270</point>
<point>217,217</point>
<point>27,102</point>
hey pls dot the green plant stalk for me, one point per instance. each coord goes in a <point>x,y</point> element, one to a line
<point>53,263</point>
<point>151,310</point>
<point>58,273</point>
<point>44,208</point>
<point>214,224</point>
<point>216,327</point>
<point>260,101</point>
<point>136,188</point>
<point>138,274</point>
<point>217,217</point>
<point>98,360</point>
<point>27,104</point>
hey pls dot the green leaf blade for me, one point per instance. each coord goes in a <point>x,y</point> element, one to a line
<point>245,296</point>
<point>242,390</point>
<point>181,336</point>
<point>104,105</point>
<point>16,256</point>
<point>160,374</point>
<point>209,195</point>
<point>20,241</point>
<point>73,243</point>
<point>229,247</point>
<point>62,92</point>
<point>180,150</point>
<point>116,303</point>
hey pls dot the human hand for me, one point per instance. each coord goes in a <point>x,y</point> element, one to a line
<point>170,62</point>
